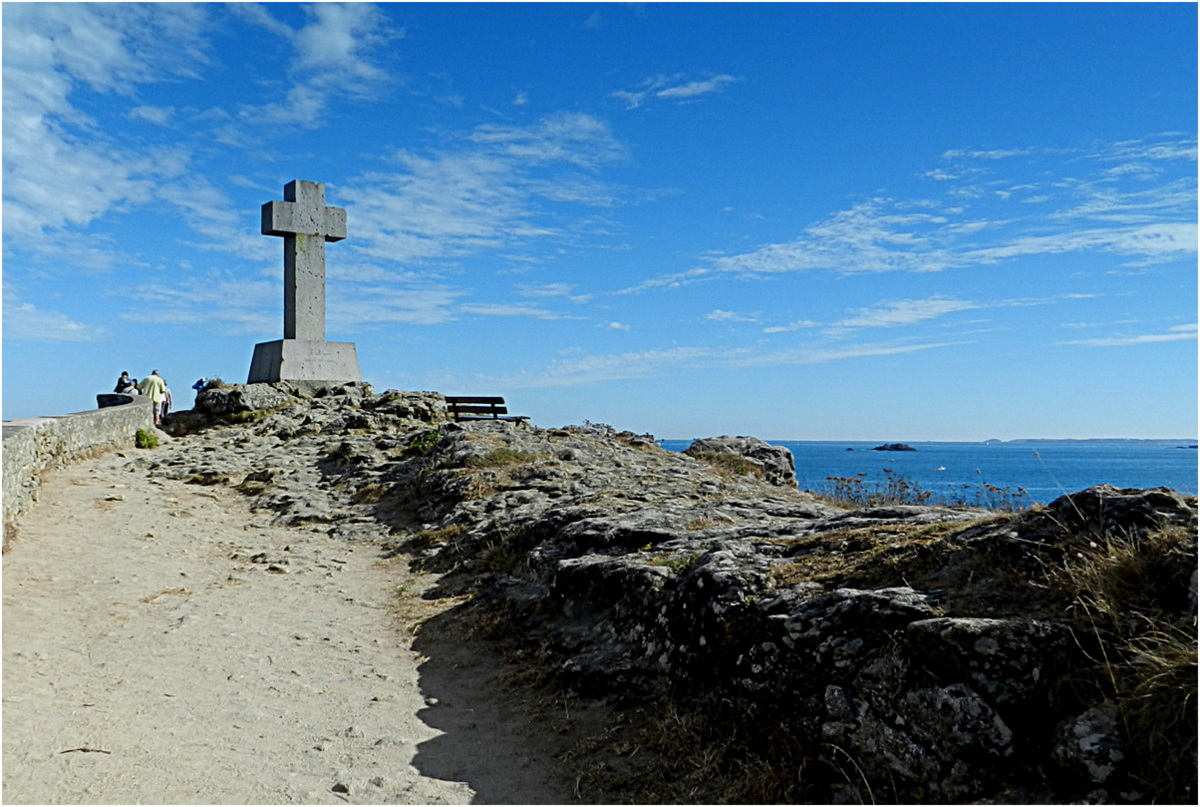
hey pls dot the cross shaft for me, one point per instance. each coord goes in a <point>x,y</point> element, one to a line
<point>305,223</point>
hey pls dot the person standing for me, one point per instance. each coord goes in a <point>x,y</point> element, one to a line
<point>154,388</point>
<point>166,404</point>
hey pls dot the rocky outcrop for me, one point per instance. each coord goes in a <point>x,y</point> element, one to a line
<point>894,447</point>
<point>907,653</point>
<point>775,464</point>
<point>302,407</point>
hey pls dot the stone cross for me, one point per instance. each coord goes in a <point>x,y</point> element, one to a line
<point>305,224</point>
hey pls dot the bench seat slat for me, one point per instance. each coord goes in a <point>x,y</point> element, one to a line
<point>489,417</point>
<point>481,410</point>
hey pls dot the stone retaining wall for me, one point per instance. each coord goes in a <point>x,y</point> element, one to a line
<point>34,445</point>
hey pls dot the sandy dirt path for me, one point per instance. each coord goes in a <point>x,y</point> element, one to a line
<point>163,644</point>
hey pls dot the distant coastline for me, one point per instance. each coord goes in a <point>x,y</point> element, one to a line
<point>1189,441</point>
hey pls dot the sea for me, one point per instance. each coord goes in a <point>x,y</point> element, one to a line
<point>995,472</point>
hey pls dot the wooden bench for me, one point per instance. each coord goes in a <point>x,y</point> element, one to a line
<point>480,407</point>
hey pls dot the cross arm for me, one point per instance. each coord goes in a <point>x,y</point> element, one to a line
<point>289,218</point>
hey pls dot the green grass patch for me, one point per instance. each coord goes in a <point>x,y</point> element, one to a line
<point>679,564</point>
<point>254,415</point>
<point>502,457</point>
<point>424,442</point>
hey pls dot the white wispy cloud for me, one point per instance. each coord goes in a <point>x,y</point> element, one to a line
<point>209,212</point>
<point>568,137</point>
<point>511,310</point>
<point>1176,333</point>
<point>60,170</point>
<point>483,194</point>
<point>217,302</point>
<point>332,55</point>
<point>873,236</point>
<point>898,313</point>
<point>599,368</point>
<point>985,154</point>
<point>24,322</point>
<point>825,354</point>
<point>720,315</point>
<point>158,115</point>
<point>1147,244</point>
<point>409,304</point>
<point>672,88</point>
<point>1145,218</point>
<point>334,42</point>
<point>612,367</point>
<point>794,325</point>
<point>693,88</point>
<point>564,290</point>
<point>1178,148</point>
<point>904,312</point>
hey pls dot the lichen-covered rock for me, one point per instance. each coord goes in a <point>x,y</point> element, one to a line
<point>229,400</point>
<point>1089,744</point>
<point>1008,660</point>
<point>934,743</point>
<point>775,463</point>
<point>424,406</point>
<point>845,626</point>
<point>1106,509</point>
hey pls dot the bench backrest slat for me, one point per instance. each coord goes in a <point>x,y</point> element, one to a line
<point>473,399</point>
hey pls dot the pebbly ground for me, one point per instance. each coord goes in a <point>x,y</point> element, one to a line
<point>163,644</point>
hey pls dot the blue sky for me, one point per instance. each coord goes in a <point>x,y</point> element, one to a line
<point>796,221</point>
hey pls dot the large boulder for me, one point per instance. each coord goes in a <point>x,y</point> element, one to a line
<point>774,463</point>
<point>228,400</point>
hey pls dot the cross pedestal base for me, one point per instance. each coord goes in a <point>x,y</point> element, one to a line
<point>304,360</point>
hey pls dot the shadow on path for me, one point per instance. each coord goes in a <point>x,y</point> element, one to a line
<point>496,738</point>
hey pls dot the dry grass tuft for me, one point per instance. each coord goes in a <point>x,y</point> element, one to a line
<point>434,537</point>
<point>693,754</point>
<point>1130,591</point>
<point>864,557</point>
<point>729,466</point>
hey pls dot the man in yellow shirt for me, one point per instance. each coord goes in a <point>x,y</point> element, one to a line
<point>154,388</point>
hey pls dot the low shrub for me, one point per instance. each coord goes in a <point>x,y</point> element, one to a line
<point>145,439</point>
<point>424,442</point>
<point>895,488</point>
